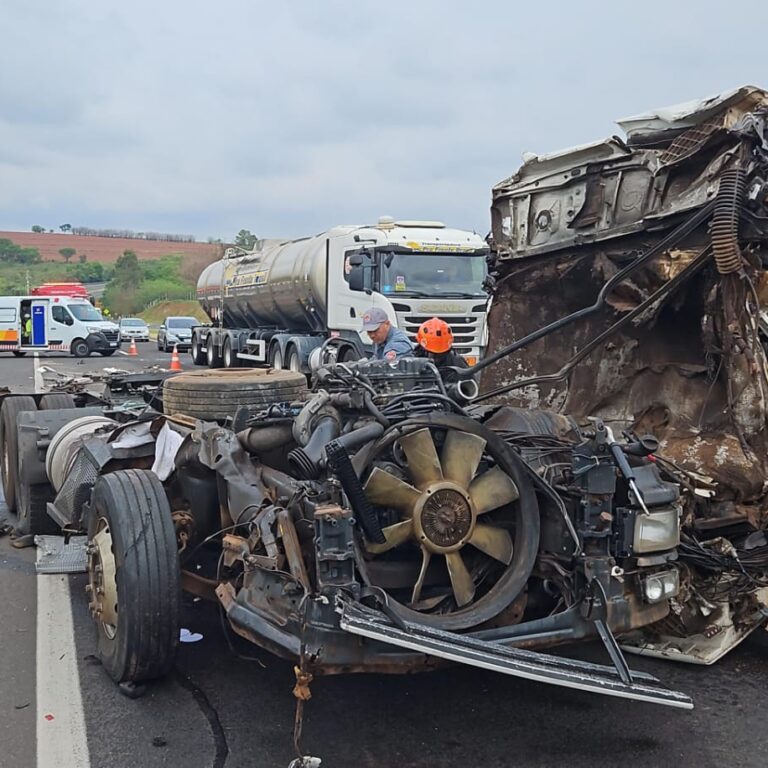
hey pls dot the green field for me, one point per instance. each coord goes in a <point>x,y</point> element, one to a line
<point>157,313</point>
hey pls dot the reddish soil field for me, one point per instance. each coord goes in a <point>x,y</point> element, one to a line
<point>108,249</point>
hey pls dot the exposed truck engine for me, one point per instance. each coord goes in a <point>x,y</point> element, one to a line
<point>286,298</point>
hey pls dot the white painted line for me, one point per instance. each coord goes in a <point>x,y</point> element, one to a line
<point>39,383</point>
<point>61,735</point>
<point>120,351</point>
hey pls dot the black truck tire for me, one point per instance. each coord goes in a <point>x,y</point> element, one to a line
<point>196,352</point>
<point>229,357</point>
<point>132,506</point>
<point>11,408</point>
<point>218,394</point>
<point>57,401</point>
<point>80,348</point>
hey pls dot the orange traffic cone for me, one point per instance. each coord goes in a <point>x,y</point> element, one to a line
<point>132,351</point>
<point>175,362</point>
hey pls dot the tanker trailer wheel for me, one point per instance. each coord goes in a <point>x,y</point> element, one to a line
<point>294,360</point>
<point>11,408</point>
<point>229,357</point>
<point>213,358</point>
<point>461,521</point>
<point>275,357</point>
<point>216,395</point>
<point>134,582</point>
<point>197,354</point>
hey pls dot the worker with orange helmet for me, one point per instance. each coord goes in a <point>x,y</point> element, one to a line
<point>435,341</point>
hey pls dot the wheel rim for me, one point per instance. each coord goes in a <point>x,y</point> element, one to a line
<point>227,356</point>
<point>277,360</point>
<point>102,581</point>
<point>293,363</point>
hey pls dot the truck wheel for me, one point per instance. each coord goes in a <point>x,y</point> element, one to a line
<point>134,581</point>
<point>57,401</point>
<point>198,356</point>
<point>18,353</point>
<point>218,394</point>
<point>12,407</point>
<point>213,357</point>
<point>80,348</point>
<point>294,361</point>
<point>230,360</point>
<point>276,358</point>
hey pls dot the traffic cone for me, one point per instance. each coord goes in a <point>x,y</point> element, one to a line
<point>175,362</point>
<point>132,351</point>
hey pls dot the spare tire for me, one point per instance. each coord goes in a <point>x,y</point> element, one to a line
<point>217,394</point>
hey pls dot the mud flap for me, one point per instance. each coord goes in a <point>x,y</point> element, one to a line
<point>531,665</point>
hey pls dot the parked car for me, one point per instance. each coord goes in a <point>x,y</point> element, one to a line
<point>134,328</point>
<point>176,332</point>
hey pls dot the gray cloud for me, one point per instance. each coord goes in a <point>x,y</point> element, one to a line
<point>289,119</point>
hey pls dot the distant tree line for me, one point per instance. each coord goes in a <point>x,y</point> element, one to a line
<point>91,232</point>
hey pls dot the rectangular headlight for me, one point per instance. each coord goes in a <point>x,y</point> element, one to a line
<point>657,531</point>
<point>661,586</point>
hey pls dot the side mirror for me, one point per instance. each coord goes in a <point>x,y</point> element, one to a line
<point>356,260</point>
<point>162,327</point>
<point>68,320</point>
<point>357,278</point>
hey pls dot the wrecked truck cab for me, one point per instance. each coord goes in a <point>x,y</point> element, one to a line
<point>376,524</point>
<point>630,285</point>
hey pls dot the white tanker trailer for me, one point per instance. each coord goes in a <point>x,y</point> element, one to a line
<point>277,303</point>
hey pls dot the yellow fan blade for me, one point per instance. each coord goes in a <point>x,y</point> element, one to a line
<point>461,579</point>
<point>495,542</point>
<point>395,535</point>
<point>426,556</point>
<point>386,490</point>
<point>423,463</point>
<point>492,490</point>
<point>461,455</point>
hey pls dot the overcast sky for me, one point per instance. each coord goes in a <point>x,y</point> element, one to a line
<point>287,118</point>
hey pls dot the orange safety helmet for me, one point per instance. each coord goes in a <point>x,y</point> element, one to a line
<point>435,335</point>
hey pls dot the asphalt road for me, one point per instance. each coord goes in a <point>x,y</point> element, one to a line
<point>222,710</point>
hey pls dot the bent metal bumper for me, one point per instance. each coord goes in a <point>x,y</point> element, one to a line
<point>331,639</point>
<point>518,662</point>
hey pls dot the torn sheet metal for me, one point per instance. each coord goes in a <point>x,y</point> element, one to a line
<point>166,447</point>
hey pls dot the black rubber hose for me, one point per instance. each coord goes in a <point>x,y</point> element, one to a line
<point>338,459</point>
<point>306,461</point>
<point>725,221</point>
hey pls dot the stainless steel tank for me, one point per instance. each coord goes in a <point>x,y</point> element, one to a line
<point>282,285</point>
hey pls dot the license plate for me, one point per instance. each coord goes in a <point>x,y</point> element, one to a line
<point>112,343</point>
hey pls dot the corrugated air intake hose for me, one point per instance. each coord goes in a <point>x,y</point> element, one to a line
<point>725,221</point>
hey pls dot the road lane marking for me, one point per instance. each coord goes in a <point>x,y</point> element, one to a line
<point>121,352</point>
<point>61,735</point>
<point>39,383</point>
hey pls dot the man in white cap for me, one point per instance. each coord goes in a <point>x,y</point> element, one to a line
<point>389,342</point>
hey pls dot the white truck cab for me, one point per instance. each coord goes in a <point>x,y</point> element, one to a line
<point>55,323</point>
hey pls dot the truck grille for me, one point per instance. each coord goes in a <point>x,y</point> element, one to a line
<point>111,335</point>
<point>465,327</point>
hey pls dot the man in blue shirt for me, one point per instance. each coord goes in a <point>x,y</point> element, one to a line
<point>389,342</point>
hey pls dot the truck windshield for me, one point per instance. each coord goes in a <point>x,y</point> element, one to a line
<point>432,274</point>
<point>85,312</point>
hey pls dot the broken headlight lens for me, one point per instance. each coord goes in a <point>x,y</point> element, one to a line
<point>661,586</point>
<point>657,531</point>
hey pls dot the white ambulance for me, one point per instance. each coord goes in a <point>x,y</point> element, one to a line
<point>55,324</point>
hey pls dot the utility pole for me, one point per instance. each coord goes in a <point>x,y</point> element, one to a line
<point>28,288</point>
